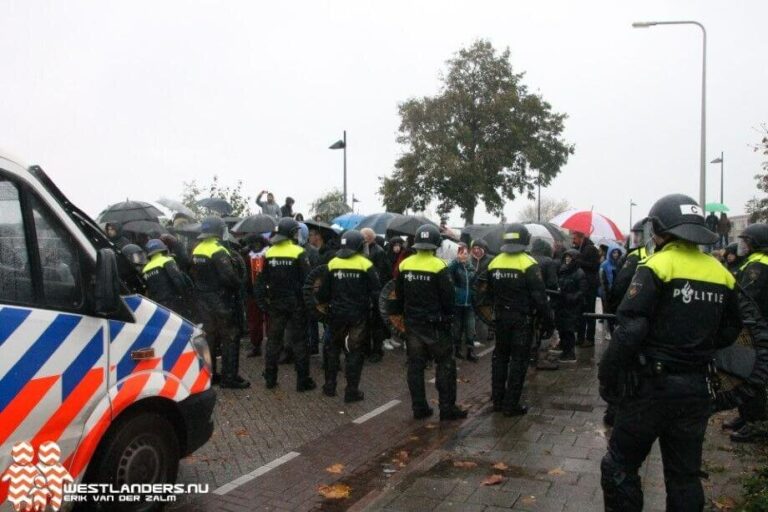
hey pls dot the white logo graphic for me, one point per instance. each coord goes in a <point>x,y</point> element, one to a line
<point>688,295</point>
<point>690,209</point>
<point>31,487</point>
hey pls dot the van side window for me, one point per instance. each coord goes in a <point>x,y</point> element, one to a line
<point>15,272</point>
<point>59,261</point>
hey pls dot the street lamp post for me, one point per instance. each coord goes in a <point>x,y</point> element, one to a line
<point>720,161</point>
<point>631,205</point>
<point>342,144</point>
<point>538,200</point>
<point>702,170</point>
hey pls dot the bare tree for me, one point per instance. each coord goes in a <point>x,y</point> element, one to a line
<point>549,208</point>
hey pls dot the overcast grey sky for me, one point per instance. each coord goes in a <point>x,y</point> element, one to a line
<point>121,99</point>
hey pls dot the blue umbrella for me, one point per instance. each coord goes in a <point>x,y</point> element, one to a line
<point>348,220</point>
<point>378,222</point>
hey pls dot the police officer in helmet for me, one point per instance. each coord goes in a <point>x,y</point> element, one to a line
<point>679,309</point>
<point>278,292</point>
<point>351,288</point>
<point>753,278</point>
<point>216,280</point>
<point>517,291</point>
<point>166,283</point>
<point>425,296</point>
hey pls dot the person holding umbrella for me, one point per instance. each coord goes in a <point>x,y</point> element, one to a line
<point>216,281</point>
<point>515,288</point>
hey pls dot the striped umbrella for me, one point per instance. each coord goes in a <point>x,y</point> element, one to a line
<point>590,223</point>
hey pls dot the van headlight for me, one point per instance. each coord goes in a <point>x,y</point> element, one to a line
<point>200,344</point>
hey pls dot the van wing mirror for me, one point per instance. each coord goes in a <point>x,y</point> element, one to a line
<point>106,288</point>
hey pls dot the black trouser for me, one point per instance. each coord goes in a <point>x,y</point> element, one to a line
<point>514,335</point>
<point>221,331</point>
<point>674,409</point>
<point>753,409</point>
<point>351,335</point>
<point>587,325</point>
<point>430,340</point>
<point>567,340</point>
<point>290,327</point>
<point>377,332</point>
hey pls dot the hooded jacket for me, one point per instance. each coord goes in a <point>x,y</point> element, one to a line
<point>462,275</point>
<point>542,253</point>
<point>573,292</point>
<point>609,269</point>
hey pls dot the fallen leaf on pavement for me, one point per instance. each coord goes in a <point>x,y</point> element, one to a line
<point>556,472</point>
<point>241,432</point>
<point>462,380</point>
<point>335,468</point>
<point>528,500</point>
<point>414,438</point>
<point>464,464</point>
<point>335,491</point>
<point>500,466</point>
<point>494,479</point>
<point>430,426</point>
<point>725,503</point>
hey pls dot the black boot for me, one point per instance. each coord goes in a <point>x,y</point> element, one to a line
<point>748,434</point>
<point>353,395</point>
<point>420,414</point>
<point>236,383</point>
<point>329,388</point>
<point>471,357</point>
<point>734,424</point>
<point>452,413</point>
<point>516,410</point>
<point>305,384</point>
<point>270,378</point>
<point>458,354</point>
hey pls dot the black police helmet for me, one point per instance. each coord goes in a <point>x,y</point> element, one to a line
<point>134,254</point>
<point>515,238</point>
<point>155,246</point>
<point>352,242</point>
<point>286,230</point>
<point>639,226</point>
<point>681,216</point>
<point>212,226</point>
<point>757,235</point>
<point>427,238</point>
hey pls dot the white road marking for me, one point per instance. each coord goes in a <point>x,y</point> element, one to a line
<point>432,380</point>
<point>375,412</point>
<point>237,482</point>
<point>486,351</point>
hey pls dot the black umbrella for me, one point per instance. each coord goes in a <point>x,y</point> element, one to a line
<point>555,231</point>
<point>189,228</point>
<point>255,224</point>
<point>177,207</point>
<point>378,222</point>
<point>128,211</point>
<point>494,237</point>
<point>326,231</point>
<point>146,227</point>
<point>407,225</point>
<point>474,232</point>
<point>231,221</point>
<point>216,204</point>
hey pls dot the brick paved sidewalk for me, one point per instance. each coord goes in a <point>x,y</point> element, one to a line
<point>552,457</point>
<point>392,463</point>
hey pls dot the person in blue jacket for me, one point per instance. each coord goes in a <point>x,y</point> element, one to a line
<point>462,274</point>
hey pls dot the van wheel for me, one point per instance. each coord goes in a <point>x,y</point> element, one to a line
<point>141,449</point>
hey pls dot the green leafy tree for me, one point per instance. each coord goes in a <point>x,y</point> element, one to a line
<point>233,194</point>
<point>329,206</point>
<point>757,208</point>
<point>483,137</point>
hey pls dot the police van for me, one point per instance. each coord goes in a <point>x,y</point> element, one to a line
<point>120,384</point>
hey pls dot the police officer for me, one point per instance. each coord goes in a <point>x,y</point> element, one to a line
<point>166,283</point>
<point>216,281</point>
<point>634,257</point>
<point>680,307</point>
<point>753,278</point>
<point>351,288</point>
<point>516,289</point>
<point>425,296</point>
<point>278,292</point>
<point>130,267</point>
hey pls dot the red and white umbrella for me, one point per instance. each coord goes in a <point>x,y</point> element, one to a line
<point>591,223</point>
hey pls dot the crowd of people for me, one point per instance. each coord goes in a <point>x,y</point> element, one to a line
<point>667,306</point>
